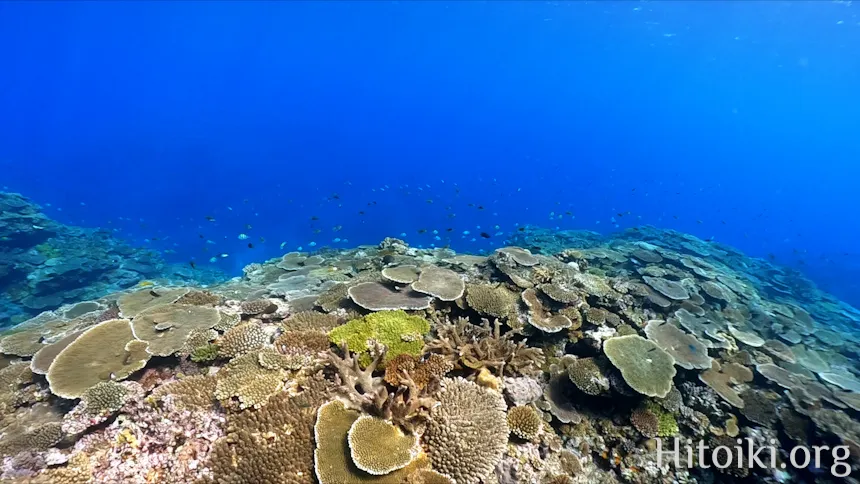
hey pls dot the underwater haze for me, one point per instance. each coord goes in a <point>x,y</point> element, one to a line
<point>313,124</point>
<point>429,242</point>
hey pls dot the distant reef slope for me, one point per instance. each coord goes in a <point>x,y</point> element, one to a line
<point>45,264</point>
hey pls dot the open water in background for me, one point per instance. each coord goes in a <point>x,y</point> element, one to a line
<point>340,123</point>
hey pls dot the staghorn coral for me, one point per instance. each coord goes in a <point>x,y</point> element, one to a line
<point>492,300</point>
<point>467,432</point>
<point>242,339</point>
<point>467,345</point>
<point>404,368</point>
<point>399,332</point>
<point>408,406</point>
<point>525,422</point>
<point>378,447</point>
<point>443,284</point>
<point>107,351</point>
<point>645,367</point>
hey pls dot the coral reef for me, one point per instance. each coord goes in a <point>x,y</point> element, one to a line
<point>557,359</point>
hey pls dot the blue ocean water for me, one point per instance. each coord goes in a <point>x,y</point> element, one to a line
<point>182,126</point>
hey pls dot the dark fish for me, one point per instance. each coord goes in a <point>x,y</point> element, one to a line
<point>422,231</point>
<point>210,218</point>
<point>193,265</point>
<point>201,236</point>
<point>449,229</point>
<point>522,229</point>
<point>485,235</point>
<point>250,246</point>
<point>620,214</point>
<point>154,294</point>
<point>361,213</point>
<point>314,217</point>
<point>480,207</point>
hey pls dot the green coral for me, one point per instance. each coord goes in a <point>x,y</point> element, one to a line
<point>399,332</point>
<point>205,353</point>
<point>667,426</point>
<point>48,250</point>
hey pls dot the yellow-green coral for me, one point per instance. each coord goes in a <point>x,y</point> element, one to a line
<point>399,332</point>
<point>107,351</point>
<point>205,353</point>
<point>667,426</point>
<point>379,447</point>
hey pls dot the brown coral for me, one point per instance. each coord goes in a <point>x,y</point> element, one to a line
<point>467,345</point>
<point>468,431</point>
<point>242,339</point>
<point>525,422</point>
<point>272,444</point>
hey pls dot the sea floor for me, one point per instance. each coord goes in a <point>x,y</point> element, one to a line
<point>566,358</point>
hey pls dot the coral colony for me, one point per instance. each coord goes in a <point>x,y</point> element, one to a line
<point>565,357</point>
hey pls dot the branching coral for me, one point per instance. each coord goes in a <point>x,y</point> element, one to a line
<point>242,339</point>
<point>525,422</point>
<point>467,345</point>
<point>407,406</point>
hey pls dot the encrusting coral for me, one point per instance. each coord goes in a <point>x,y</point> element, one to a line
<point>399,332</point>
